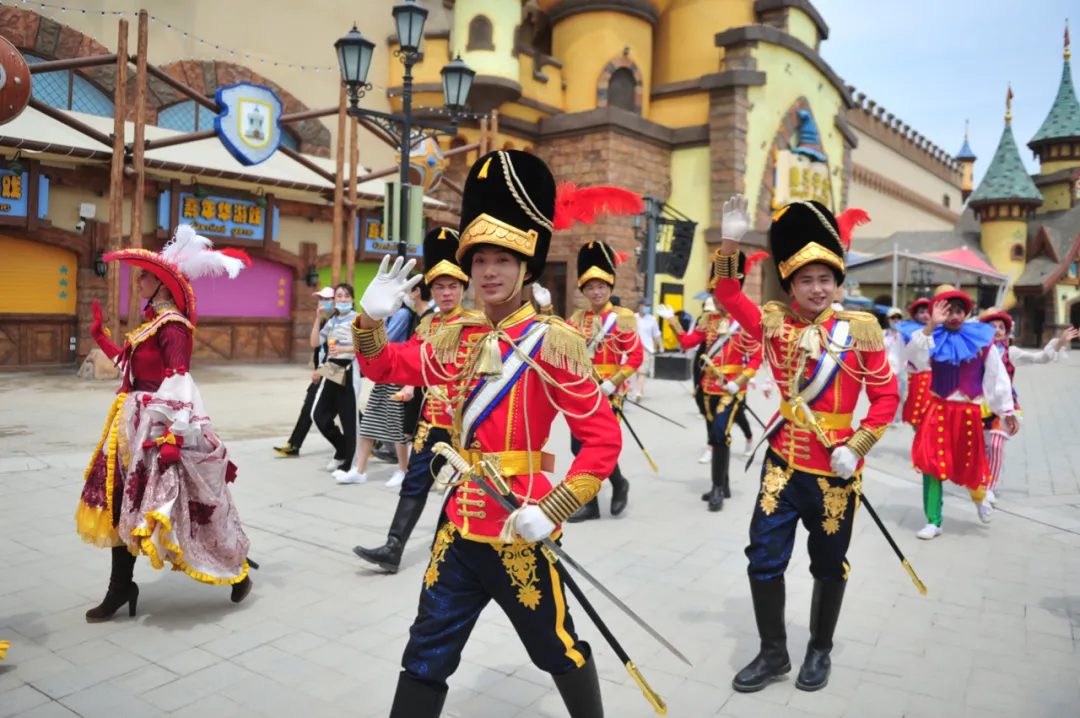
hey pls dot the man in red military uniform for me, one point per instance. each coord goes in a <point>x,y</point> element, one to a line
<point>731,359</point>
<point>612,339</point>
<point>514,372</point>
<point>447,283</point>
<point>822,359</point>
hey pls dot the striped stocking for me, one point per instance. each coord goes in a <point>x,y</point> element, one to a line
<point>995,455</point>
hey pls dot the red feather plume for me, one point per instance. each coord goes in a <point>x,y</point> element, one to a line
<point>583,205</point>
<point>621,257</point>
<point>754,259</point>
<point>848,220</point>
<point>236,254</point>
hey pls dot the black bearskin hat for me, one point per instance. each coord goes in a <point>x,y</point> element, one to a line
<point>805,233</point>
<point>597,260</point>
<point>440,256</point>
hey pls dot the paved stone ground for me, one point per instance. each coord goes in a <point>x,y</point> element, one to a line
<point>322,636</point>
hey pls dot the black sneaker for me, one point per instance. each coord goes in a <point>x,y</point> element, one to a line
<point>287,450</point>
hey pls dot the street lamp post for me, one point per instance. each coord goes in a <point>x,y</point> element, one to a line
<point>354,58</point>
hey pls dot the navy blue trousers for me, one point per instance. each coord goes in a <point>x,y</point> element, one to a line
<point>826,506</point>
<point>723,419</point>
<point>424,465</point>
<point>462,578</point>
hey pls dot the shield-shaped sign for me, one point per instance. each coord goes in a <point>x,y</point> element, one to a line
<point>250,121</point>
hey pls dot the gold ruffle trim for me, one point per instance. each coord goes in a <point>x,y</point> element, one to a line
<point>153,518</point>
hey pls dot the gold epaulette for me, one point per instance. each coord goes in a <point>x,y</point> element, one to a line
<point>866,334</point>
<point>564,347</point>
<point>578,318</point>
<point>772,318</point>
<point>625,320</point>
<point>423,329</point>
<point>447,338</point>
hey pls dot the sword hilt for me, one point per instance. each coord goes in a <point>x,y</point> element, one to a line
<point>650,695</point>
<point>462,466</point>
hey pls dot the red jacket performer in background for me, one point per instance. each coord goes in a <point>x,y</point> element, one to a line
<point>612,340</point>
<point>519,371</point>
<point>821,359</point>
<point>731,359</point>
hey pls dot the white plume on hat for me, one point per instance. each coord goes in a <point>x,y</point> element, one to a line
<point>195,257</point>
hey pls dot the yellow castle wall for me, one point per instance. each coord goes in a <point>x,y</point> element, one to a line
<point>801,27</point>
<point>505,15</point>
<point>685,37</point>
<point>1056,197</point>
<point>690,194</point>
<point>998,238</point>
<point>682,111</point>
<point>587,42</point>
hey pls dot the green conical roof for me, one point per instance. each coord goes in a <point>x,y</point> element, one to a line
<point>1063,122</point>
<point>1006,177</point>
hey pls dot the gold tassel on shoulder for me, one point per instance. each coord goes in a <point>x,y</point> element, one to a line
<point>772,319</point>
<point>445,342</point>
<point>866,334</point>
<point>489,357</point>
<point>564,348</point>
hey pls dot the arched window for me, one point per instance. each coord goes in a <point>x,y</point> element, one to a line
<point>190,116</point>
<point>621,89</point>
<point>480,34</point>
<point>1017,252</point>
<point>68,90</point>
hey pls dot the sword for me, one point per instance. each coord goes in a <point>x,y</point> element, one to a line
<point>619,412</point>
<point>809,419</point>
<point>746,405</point>
<point>493,487</point>
<point>654,413</point>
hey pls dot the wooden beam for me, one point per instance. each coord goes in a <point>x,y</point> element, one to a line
<point>188,92</point>
<point>483,136</point>
<point>339,193</point>
<point>138,197</point>
<point>72,63</point>
<point>66,119</point>
<point>180,139</point>
<point>452,184</point>
<point>494,142</point>
<point>307,115</point>
<point>116,178</point>
<point>462,149</point>
<point>380,134</point>
<point>350,234</point>
<point>301,160</point>
<point>305,210</point>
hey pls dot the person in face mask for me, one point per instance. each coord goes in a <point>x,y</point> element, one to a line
<point>304,421</point>
<point>651,340</point>
<point>338,392</point>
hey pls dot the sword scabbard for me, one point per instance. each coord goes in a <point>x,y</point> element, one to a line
<point>651,462</point>
<point>650,695</point>
<point>914,577</point>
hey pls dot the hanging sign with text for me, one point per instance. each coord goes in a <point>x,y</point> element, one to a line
<point>218,216</point>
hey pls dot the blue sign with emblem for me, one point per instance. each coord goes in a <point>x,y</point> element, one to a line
<point>250,123</point>
<point>15,195</point>
<point>376,243</point>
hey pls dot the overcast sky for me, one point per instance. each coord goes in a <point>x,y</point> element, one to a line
<point>934,63</point>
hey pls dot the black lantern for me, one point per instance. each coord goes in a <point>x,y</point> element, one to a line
<point>312,277</point>
<point>354,59</point>
<point>457,79</point>
<point>100,267</point>
<point>410,19</point>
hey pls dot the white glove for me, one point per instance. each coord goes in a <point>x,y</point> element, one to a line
<point>710,304</point>
<point>732,388</point>
<point>844,462</point>
<point>542,296</point>
<point>388,290</point>
<point>608,388</point>
<point>665,312</point>
<point>736,219</point>
<point>532,524</point>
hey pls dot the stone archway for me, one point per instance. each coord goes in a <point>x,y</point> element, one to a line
<point>603,85</point>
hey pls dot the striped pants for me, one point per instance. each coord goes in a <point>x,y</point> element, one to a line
<point>995,455</point>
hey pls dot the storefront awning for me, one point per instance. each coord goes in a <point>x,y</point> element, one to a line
<point>33,132</point>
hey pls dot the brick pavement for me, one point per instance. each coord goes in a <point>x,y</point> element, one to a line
<point>321,635</point>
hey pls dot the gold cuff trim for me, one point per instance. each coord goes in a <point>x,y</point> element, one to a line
<point>809,254</point>
<point>864,440</point>
<point>726,266</point>
<point>595,273</point>
<point>369,343</point>
<point>560,503</point>
<point>445,268</point>
<point>485,229</point>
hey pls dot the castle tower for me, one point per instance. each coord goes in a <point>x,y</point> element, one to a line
<point>1003,203</point>
<point>484,35</point>
<point>966,158</point>
<point>1057,143</point>
<point>609,45</point>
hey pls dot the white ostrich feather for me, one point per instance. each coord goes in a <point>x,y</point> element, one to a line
<point>195,257</point>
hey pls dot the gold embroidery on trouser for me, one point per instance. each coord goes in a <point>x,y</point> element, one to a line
<point>836,503</point>
<point>443,539</point>
<point>520,562</point>
<point>772,483</point>
<point>422,431</point>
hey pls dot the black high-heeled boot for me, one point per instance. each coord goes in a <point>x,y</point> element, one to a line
<point>717,494</point>
<point>122,590</point>
<point>620,491</point>
<point>587,512</point>
<point>824,613</point>
<point>772,660</point>
<point>580,691</point>
<point>388,556</point>
<point>416,699</point>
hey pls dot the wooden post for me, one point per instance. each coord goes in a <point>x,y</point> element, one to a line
<point>339,192</point>
<point>116,181</point>
<point>354,166</point>
<point>138,200</point>
<point>483,150</point>
<point>494,143</point>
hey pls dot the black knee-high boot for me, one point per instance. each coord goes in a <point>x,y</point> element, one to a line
<point>824,613</point>
<point>620,490</point>
<point>717,494</point>
<point>587,512</point>
<point>580,691</point>
<point>388,556</point>
<point>416,699</point>
<point>772,660</point>
<point>122,590</point>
